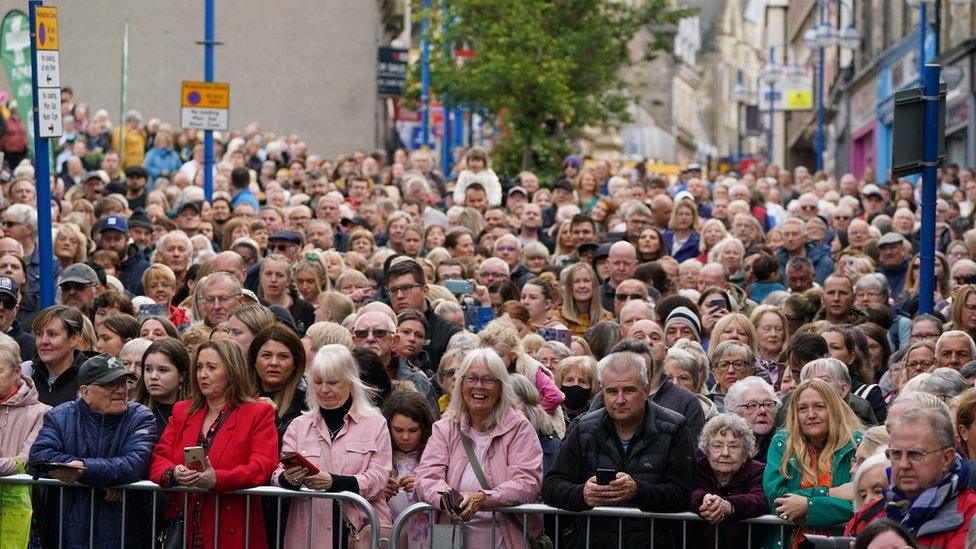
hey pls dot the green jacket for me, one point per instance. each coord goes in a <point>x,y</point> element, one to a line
<point>823,511</point>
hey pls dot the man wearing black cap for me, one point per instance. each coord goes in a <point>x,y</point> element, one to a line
<point>188,217</point>
<point>79,286</point>
<point>894,258</point>
<point>113,234</point>
<point>136,178</point>
<point>141,230</point>
<point>99,440</point>
<point>9,307</point>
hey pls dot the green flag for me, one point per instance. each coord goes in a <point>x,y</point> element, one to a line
<point>15,52</point>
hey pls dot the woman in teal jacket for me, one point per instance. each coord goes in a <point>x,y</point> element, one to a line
<point>808,469</point>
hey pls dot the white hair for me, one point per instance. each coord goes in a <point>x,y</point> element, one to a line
<point>336,360</point>
<point>507,398</point>
<point>873,462</point>
<point>735,396</point>
<point>623,362</point>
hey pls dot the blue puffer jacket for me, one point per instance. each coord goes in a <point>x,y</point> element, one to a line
<point>115,450</point>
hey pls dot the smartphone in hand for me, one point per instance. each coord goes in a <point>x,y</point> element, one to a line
<point>194,457</point>
<point>605,476</point>
<point>293,459</point>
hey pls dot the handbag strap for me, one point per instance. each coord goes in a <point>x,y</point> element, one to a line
<point>480,475</point>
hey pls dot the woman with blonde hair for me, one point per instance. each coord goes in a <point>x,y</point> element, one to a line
<point>334,265</point>
<point>772,333</point>
<point>581,300</point>
<point>310,275</point>
<point>70,245</point>
<point>325,333</point>
<point>565,244</point>
<point>712,232</point>
<point>587,190</point>
<point>960,317</point>
<point>333,306</point>
<point>733,327</point>
<point>340,417</point>
<point>577,378</point>
<point>808,469</point>
<point>159,283</point>
<point>681,237</point>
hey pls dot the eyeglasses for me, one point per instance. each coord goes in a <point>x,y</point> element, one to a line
<point>378,333</point>
<point>9,224</point>
<point>718,448</point>
<point>808,208</point>
<point>915,456</point>
<point>751,407</point>
<point>284,246</point>
<point>922,337</point>
<point>448,374</point>
<point>506,249</point>
<point>8,304</point>
<point>965,279</point>
<point>487,382</point>
<point>919,364</point>
<point>122,384</point>
<point>405,289</point>
<point>628,297</point>
<point>842,218</point>
<point>223,299</point>
<point>738,365</point>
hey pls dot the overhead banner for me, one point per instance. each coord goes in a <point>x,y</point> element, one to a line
<point>15,50</point>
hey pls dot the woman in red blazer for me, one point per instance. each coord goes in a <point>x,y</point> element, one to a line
<point>241,443</point>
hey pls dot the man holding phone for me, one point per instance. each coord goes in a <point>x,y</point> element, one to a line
<point>633,453</point>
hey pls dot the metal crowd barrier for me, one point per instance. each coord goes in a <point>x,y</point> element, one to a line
<point>619,513</point>
<point>342,498</point>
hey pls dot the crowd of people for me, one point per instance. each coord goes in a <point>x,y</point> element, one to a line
<point>730,344</point>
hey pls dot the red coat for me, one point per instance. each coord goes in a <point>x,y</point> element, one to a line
<point>949,527</point>
<point>244,453</point>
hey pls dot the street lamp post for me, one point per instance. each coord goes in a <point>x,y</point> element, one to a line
<point>769,75</point>
<point>820,37</point>
<point>742,96</point>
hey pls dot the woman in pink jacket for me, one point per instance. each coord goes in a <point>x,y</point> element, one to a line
<point>21,415</point>
<point>346,438</point>
<point>484,409</point>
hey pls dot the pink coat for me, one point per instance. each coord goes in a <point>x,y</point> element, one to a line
<point>513,467</point>
<point>361,449</point>
<point>21,418</point>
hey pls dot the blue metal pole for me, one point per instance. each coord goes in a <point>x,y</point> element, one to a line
<point>922,31</point>
<point>930,152</point>
<point>738,117</point>
<point>446,138</point>
<point>42,170</point>
<point>772,121</point>
<point>821,92</point>
<point>208,76</point>
<point>425,76</point>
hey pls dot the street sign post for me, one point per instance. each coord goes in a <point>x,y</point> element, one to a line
<point>46,94</point>
<point>205,106</point>
<point>391,71</point>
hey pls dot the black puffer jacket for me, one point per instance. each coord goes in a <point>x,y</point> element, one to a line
<point>65,386</point>
<point>660,458</point>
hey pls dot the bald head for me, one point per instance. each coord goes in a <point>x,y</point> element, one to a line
<point>712,274</point>
<point>623,262</point>
<point>10,246</point>
<point>377,307</point>
<point>230,262</point>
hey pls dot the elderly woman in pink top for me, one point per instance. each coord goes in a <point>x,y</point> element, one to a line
<point>346,438</point>
<point>484,409</point>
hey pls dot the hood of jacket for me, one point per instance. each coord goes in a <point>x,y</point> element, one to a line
<point>26,394</point>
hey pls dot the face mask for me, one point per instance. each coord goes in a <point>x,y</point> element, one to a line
<point>577,397</point>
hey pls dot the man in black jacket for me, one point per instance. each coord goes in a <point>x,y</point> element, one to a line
<point>644,448</point>
<point>406,287</point>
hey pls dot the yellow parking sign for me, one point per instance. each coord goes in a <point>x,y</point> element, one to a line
<point>46,27</point>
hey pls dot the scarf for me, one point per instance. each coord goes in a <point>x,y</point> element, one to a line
<point>912,514</point>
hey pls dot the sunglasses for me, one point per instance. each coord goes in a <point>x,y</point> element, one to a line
<point>378,333</point>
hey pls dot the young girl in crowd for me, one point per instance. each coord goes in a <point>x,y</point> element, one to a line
<point>410,420</point>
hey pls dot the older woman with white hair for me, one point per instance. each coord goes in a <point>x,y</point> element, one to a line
<point>728,486</point>
<point>870,483</point>
<point>731,361</point>
<point>686,370</point>
<point>486,450</point>
<point>346,438</point>
<point>944,383</point>
<point>755,401</point>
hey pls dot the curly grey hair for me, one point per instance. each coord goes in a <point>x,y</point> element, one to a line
<point>728,423</point>
<point>734,398</point>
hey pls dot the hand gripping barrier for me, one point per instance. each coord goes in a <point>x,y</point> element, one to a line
<point>279,494</point>
<point>619,513</point>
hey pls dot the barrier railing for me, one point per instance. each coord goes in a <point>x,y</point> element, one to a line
<point>280,494</point>
<point>619,513</point>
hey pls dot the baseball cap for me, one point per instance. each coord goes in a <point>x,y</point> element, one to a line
<point>871,190</point>
<point>102,370</point>
<point>9,287</point>
<point>891,238</point>
<point>114,223</point>
<point>602,252</point>
<point>140,218</point>
<point>693,167</point>
<point>290,236</point>
<point>563,184</point>
<point>195,204</point>
<point>79,273</point>
<point>355,221</point>
<point>518,189</point>
<point>97,174</point>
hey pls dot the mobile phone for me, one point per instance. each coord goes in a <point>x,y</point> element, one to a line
<point>152,310</point>
<point>194,457</point>
<point>459,287</point>
<point>716,303</point>
<point>293,459</point>
<point>556,334</point>
<point>605,476</point>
